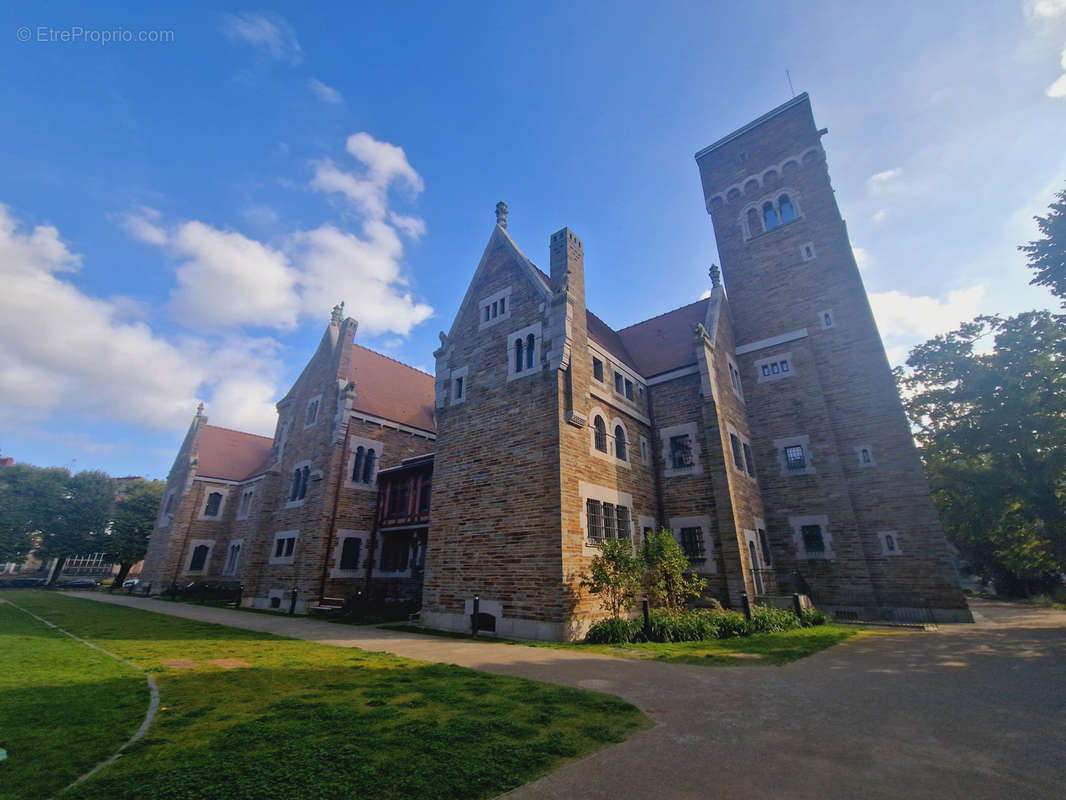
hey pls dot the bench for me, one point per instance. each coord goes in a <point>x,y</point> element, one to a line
<point>327,605</point>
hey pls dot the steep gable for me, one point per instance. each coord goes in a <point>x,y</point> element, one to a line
<point>391,390</point>
<point>231,455</point>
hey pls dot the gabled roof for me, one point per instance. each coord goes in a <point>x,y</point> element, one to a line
<point>664,343</point>
<point>606,337</point>
<point>231,455</point>
<point>388,389</point>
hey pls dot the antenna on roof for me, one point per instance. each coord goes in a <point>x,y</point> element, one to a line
<point>790,83</point>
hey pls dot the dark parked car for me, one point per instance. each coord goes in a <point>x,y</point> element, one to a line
<point>23,583</point>
<point>78,583</point>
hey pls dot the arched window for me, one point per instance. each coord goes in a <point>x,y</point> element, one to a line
<point>530,341</point>
<point>754,226</point>
<point>601,434</point>
<point>620,450</point>
<point>368,467</point>
<point>769,216</point>
<point>199,558</point>
<point>517,355</point>
<point>787,212</point>
<point>357,469</point>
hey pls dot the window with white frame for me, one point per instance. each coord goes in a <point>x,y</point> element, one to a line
<point>524,352</point>
<point>245,507</point>
<point>794,455</point>
<point>890,543</point>
<point>233,557</point>
<point>214,501</point>
<point>301,475</point>
<point>460,385</point>
<point>812,537</point>
<point>283,548</point>
<point>865,454</point>
<point>693,534</point>
<point>494,308</point>
<point>312,411</point>
<point>680,450</point>
<point>364,456</point>
<point>770,213</point>
<point>807,251</point>
<point>825,318</point>
<point>199,558</point>
<point>774,368</point>
<point>608,514</point>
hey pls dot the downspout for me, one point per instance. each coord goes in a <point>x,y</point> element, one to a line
<point>333,516</point>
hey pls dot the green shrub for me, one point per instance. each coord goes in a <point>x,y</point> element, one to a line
<point>614,631</point>
<point>732,623</point>
<point>812,617</point>
<point>772,620</point>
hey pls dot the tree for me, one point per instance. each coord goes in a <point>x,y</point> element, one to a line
<point>29,501</point>
<point>667,580</point>
<point>75,522</point>
<point>1047,256</point>
<point>131,525</point>
<point>992,428</point>
<point>614,575</point>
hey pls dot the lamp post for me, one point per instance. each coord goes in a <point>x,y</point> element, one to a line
<point>477,610</point>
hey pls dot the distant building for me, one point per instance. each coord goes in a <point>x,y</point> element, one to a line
<point>762,428</point>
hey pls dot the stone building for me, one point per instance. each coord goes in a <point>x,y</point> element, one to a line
<point>762,427</point>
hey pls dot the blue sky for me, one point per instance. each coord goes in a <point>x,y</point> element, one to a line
<point>179,216</point>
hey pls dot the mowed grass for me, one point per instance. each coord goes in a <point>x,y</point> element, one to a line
<point>758,650</point>
<point>63,707</point>
<point>311,721</point>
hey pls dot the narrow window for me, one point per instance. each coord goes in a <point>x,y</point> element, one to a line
<point>795,457</point>
<point>279,548</point>
<point>775,368</point>
<point>530,342</point>
<point>312,412</point>
<point>595,520</point>
<point>680,451</point>
<point>620,449</point>
<point>488,311</point>
<point>769,216</point>
<point>398,499</point>
<point>232,558</point>
<point>624,527</point>
<point>458,388</point>
<point>290,545</point>
<point>517,355</point>
<point>754,226</point>
<point>827,319</point>
<point>495,303</point>
<point>601,434</point>
<point>738,454</point>
<point>629,389</point>
<point>503,305</point>
<point>749,462</point>
<point>597,369</point>
<point>866,456</point>
<point>692,542</point>
<point>350,553</point>
<point>305,473</point>
<point>246,503</point>
<point>764,545</point>
<point>890,542</point>
<point>619,385</point>
<point>294,493</point>
<point>813,541</point>
<point>368,467</point>
<point>787,212</point>
<point>784,366</point>
<point>424,497</point>
<point>765,369</point>
<point>199,558</point>
<point>608,520</point>
<point>357,470</point>
<point>214,501</point>
<point>170,504</point>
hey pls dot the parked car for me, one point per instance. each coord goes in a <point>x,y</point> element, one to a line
<point>24,583</point>
<point>78,583</point>
<point>131,583</point>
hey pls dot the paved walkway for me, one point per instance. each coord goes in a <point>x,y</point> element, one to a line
<point>974,711</point>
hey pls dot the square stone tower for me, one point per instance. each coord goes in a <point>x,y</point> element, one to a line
<point>846,500</point>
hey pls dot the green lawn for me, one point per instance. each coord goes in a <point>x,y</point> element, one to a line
<point>761,649</point>
<point>301,721</point>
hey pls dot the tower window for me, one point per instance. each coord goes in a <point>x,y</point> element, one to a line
<point>600,432</point>
<point>769,216</point>
<point>807,251</point>
<point>754,224</point>
<point>458,388</point>
<point>738,455</point>
<point>795,458</point>
<point>597,369</point>
<point>764,545</point>
<point>368,466</point>
<point>787,212</point>
<point>620,450</point>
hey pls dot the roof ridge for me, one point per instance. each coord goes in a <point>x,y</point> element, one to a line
<point>671,311</point>
<point>243,433</point>
<point>393,360</point>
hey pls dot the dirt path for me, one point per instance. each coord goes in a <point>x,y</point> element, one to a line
<point>976,711</point>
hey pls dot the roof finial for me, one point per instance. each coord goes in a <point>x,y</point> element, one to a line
<point>337,314</point>
<point>501,214</point>
<point>716,276</point>
<point>200,410</point>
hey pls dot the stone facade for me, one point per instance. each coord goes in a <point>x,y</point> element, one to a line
<point>762,427</point>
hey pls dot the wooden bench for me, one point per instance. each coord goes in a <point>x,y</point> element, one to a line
<point>327,605</point>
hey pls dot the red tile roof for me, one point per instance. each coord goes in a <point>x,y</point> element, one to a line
<point>231,455</point>
<point>664,343</point>
<point>605,336</point>
<point>388,389</point>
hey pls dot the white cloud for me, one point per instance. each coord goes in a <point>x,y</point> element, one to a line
<point>1045,9</point>
<point>883,181</point>
<point>327,94</point>
<point>880,216</point>
<point>265,31</point>
<point>905,320</point>
<point>142,225</point>
<point>1058,88</point>
<point>231,280</point>
<point>383,164</point>
<point>411,226</point>
<point>862,258</point>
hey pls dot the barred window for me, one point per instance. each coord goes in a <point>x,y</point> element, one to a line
<point>692,542</point>
<point>629,389</point>
<point>601,434</point>
<point>813,541</point>
<point>608,520</point>
<point>620,450</point>
<point>794,457</point>
<point>597,369</point>
<point>595,520</point>
<point>624,531</point>
<point>738,455</point>
<point>681,451</point>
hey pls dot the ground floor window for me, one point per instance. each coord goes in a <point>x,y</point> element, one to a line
<point>692,543</point>
<point>607,521</point>
<point>395,552</point>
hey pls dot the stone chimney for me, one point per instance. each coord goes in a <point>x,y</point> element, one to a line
<point>568,265</point>
<point>569,324</point>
